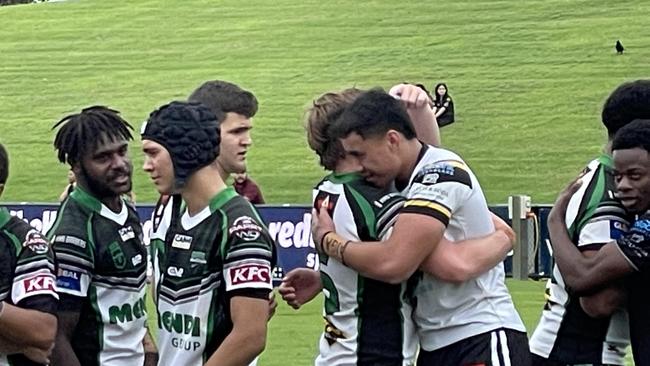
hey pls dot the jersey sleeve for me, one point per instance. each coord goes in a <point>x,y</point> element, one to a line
<point>438,189</point>
<point>75,258</point>
<point>635,245</point>
<point>34,285</point>
<point>249,256</point>
<point>388,208</point>
<point>607,224</point>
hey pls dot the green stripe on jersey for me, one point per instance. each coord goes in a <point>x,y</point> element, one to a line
<point>5,216</point>
<point>366,209</point>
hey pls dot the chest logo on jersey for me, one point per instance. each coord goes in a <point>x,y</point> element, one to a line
<point>126,233</point>
<point>35,242</point>
<point>119,259</point>
<point>175,271</point>
<point>182,242</point>
<point>245,228</point>
<point>326,200</point>
<point>198,258</point>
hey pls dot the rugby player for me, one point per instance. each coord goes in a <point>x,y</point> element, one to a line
<point>97,239</point>
<point>592,329</point>
<point>358,308</point>
<point>473,322</point>
<point>628,256</point>
<point>28,297</point>
<point>213,273</point>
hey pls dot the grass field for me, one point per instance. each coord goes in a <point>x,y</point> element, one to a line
<point>528,77</point>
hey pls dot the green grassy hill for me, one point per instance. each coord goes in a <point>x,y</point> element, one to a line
<point>528,78</point>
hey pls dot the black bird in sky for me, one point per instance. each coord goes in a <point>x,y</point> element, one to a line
<point>619,47</point>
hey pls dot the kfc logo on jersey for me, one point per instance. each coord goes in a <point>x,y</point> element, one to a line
<point>249,275</point>
<point>36,242</point>
<point>43,283</point>
<point>245,228</point>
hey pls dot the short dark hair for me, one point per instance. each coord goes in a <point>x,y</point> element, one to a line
<point>374,113</point>
<point>634,134</point>
<point>4,165</point>
<point>223,97</point>
<point>81,132</point>
<point>629,101</point>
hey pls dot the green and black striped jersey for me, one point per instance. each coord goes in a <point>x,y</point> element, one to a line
<point>368,322</point>
<point>102,265</point>
<point>200,263</point>
<point>27,272</point>
<point>565,333</point>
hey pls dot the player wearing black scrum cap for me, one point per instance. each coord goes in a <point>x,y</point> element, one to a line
<point>213,274</point>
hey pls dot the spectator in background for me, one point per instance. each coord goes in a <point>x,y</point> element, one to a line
<point>247,188</point>
<point>72,182</point>
<point>443,105</point>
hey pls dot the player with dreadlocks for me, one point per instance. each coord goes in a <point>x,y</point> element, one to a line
<point>97,238</point>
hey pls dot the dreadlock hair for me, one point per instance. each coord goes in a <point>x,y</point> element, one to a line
<point>81,132</point>
<point>4,165</point>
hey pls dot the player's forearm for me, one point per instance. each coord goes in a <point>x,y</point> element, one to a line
<point>468,259</point>
<point>376,260</point>
<point>150,350</point>
<point>63,354</point>
<point>239,348</point>
<point>8,347</point>
<point>605,302</point>
<point>425,124</point>
<point>28,328</point>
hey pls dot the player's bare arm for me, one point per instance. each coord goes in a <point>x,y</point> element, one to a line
<point>582,274</point>
<point>63,354</point>
<point>607,300</point>
<point>394,260</point>
<point>248,336</point>
<point>418,107</point>
<point>461,261</point>
<point>300,286</point>
<point>22,329</point>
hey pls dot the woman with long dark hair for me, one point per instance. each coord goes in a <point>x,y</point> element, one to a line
<point>443,105</point>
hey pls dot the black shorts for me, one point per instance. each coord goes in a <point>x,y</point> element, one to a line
<point>500,347</point>
<point>541,361</point>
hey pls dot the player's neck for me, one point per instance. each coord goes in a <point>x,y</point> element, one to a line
<point>201,187</point>
<point>222,172</point>
<point>607,149</point>
<point>346,165</point>
<point>113,202</point>
<point>409,154</point>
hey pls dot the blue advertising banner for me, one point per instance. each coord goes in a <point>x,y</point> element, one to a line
<point>288,225</point>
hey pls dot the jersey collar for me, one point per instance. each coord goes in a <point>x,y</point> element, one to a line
<point>87,200</point>
<point>606,160</point>
<point>5,216</point>
<point>188,222</point>
<point>339,178</point>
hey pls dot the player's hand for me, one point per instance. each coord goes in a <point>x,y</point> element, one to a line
<point>500,225</point>
<point>272,305</point>
<point>411,95</point>
<point>321,224</point>
<point>38,355</point>
<point>558,212</point>
<point>300,286</point>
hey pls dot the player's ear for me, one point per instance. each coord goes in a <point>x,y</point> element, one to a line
<point>393,138</point>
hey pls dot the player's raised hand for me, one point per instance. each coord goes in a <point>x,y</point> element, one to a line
<point>321,224</point>
<point>300,286</point>
<point>411,95</point>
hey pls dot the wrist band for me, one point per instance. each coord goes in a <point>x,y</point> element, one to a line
<point>342,251</point>
<point>322,238</point>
